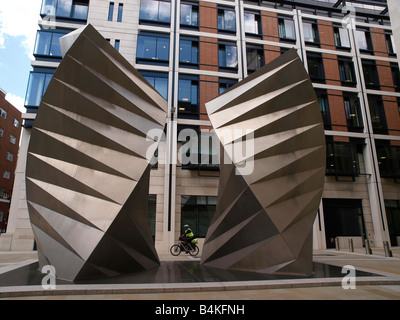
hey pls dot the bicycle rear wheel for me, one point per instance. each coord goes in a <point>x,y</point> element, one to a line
<point>195,250</point>
<point>175,250</point>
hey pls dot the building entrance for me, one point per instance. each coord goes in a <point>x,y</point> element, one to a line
<point>343,218</point>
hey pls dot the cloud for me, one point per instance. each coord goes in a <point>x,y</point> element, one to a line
<point>20,18</point>
<point>16,101</point>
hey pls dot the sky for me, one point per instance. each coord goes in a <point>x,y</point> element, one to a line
<point>18,25</point>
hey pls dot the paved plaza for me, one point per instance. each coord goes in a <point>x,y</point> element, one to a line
<point>379,280</point>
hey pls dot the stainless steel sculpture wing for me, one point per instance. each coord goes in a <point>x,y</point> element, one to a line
<point>264,216</point>
<point>87,177</point>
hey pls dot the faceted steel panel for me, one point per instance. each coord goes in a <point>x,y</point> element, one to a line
<point>87,175</point>
<point>264,217</point>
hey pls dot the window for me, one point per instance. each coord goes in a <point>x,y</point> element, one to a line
<point>202,154</point>
<point>189,15</point>
<point>226,20</point>
<point>111,11</point>
<point>1,132</point>
<point>316,67</point>
<point>6,174</point>
<point>343,218</point>
<point>188,52</point>
<point>341,35</point>
<point>197,211</point>
<point>363,38</point>
<point>9,156</point>
<point>37,85</point>
<point>353,112</point>
<point>396,76</point>
<point>153,48</point>
<point>388,159</point>
<point>393,219</point>
<point>252,23</point>
<point>346,71</point>
<point>225,84</point>
<point>310,30</point>
<point>255,58</point>
<point>3,113</point>
<point>67,9</point>
<point>159,81</point>
<point>391,49</point>
<point>48,44</point>
<point>322,97</point>
<point>377,112</point>
<point>155,11</point>
<point>15,123</point>
<point>227,56</point>
<point>188,97</point>
<point>151,214</point>
<point>13,139</point>
<point>286,28</point>
<point>120,12</point>
<point>342,158</point>
<point>117,44</point>
<point>371,77</point>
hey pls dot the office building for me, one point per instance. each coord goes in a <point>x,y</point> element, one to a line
<point>10,131</point>
<point>192,51</point>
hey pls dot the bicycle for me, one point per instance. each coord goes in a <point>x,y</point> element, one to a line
<point>190,248</point>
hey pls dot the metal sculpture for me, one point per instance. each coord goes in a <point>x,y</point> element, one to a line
<point>264,217</point>
<point>87,175</point>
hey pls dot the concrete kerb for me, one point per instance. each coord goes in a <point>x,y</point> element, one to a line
<point>384,278</point>
<point>37,291</point>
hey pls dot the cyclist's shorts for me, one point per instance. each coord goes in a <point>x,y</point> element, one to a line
<point>194,241</point>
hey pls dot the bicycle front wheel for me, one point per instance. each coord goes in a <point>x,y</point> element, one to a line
<point>195,251</point>
<point>175,250</point>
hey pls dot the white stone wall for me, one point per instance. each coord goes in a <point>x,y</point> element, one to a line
<point>394,12</point>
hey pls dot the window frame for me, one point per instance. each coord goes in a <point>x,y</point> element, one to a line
<point>320,77</point>
<point>159,21</point>
<point>257,23</point>
<point>209,206</point>
<point>47,78</point>
<point>370,72</point>
<point>377,111</point>
<point>315,33</point>
<point>186,108</point>
<point>352,107</point>
<point>222,46</point>
<point>260,62</point>
<point>344,62</point>
<point>282,26</point>
<point>151,76</point>
<point>194,45</point>
<point>367,35</point>
<point>153,60</point>
<point>337,34</point>
<point>222,20</point>
<point>197,15</point>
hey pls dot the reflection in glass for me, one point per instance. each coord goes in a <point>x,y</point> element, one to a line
<point>189,15</point>
<point>153,10</point>
<point>227,56</point>
<point>153,48</point>
<point>286,29</point>
<point>37,85</point>
<point>226,20</point>
<point>188,51</point>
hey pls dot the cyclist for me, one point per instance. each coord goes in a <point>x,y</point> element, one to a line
<point>188,235</point>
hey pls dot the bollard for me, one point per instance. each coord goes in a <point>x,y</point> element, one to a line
<point>337,244</point>
<point>388,252</point>
<point>367,247</point>
<point>351,247</point>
